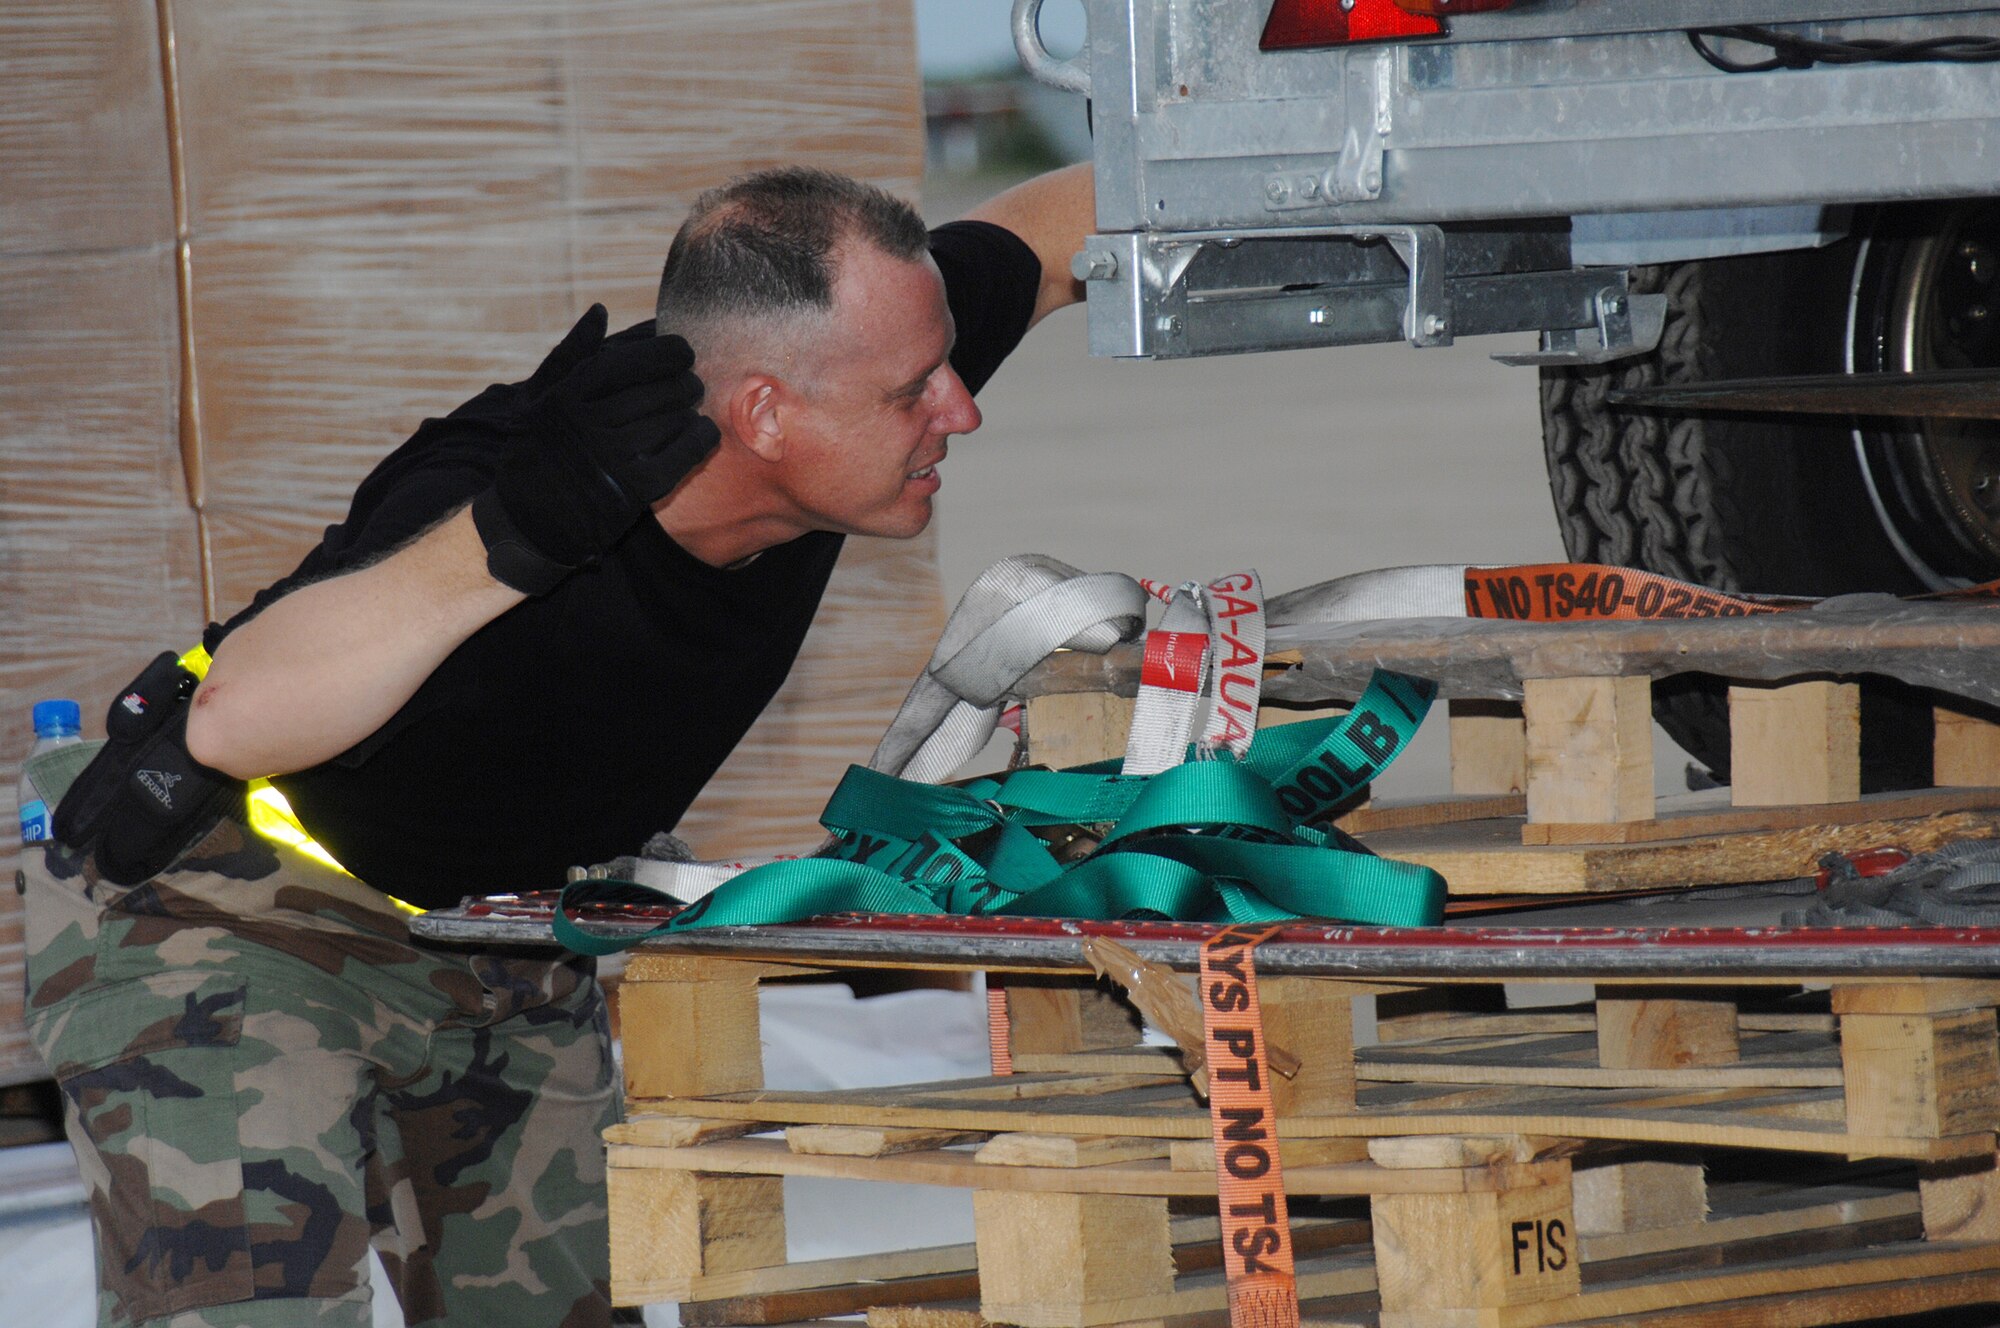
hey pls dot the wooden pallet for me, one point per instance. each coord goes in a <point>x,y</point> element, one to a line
<point>1553,793</point>
<point>1670,1154</point>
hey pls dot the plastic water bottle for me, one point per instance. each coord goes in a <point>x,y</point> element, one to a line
<point>57,724</point>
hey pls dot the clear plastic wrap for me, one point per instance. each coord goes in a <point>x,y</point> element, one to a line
<point>384,208</point>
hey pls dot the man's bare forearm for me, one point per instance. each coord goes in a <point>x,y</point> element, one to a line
<point>1052,213</point>
<point>328,664</point>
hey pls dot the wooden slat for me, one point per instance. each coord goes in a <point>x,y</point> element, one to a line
<point>1067,1150</point>
<point>870,1140</point>
<point>1818,1308</point>
<point>1770,1061</point>
<point>1802,1119</point>
<point>1488,857</point>
<point>1838,1271</point>
<point>1416,813</point>
<point>1196,1247</point>
<point>768,1157</point>
<point>1691,824</point>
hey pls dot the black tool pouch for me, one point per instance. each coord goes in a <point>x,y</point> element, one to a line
<point>143,801</point>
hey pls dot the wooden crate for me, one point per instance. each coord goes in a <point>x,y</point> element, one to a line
<point>1765,1152</point>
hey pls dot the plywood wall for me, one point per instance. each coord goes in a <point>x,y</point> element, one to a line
<point>246,245</point>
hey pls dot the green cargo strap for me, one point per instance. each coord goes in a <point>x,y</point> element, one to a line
<point>1205,841</point>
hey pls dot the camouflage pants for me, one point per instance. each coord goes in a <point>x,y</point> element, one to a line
<point>263,1075</point>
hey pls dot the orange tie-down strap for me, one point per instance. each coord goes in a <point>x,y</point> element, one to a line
<point>1249,1183</point>
<point>998,1047</point>
<point>1587,592</point>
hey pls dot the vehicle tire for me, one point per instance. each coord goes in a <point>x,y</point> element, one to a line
<point>1794,504</point>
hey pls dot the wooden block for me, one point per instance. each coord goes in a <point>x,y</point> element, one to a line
<point>691,1039</point>
<point>1056,1015</point>
<point>669,1228</point>
<point>923,1316</point>
<point>1590,749</point>
<point>1076,728</point>
<point>1920,1076</point>
<point>1961,1199</point>
<point>1064,1260</point>
<point>1442,1257</point>
<point>1797,745</point>
<point>663,1131</point>
<point>869,1140</point>
<point>1067,1150</point>
<point>1642,1194</point>
<point>1313,1019</point>
<point>1930,996</point>
<point>1423,1152</point>
<point>1199,1154</point>
<point>1489,747</point>
<point>1641,1028</point>
<point>1966,747</point>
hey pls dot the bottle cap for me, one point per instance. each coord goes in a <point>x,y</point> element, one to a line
<point>55,718</point>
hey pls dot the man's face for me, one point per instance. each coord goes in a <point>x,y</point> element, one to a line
<point>867,435</point>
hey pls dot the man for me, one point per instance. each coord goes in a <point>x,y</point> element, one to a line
<point>545,622</point>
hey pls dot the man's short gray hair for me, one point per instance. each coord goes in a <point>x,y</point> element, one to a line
<point>762,247</point>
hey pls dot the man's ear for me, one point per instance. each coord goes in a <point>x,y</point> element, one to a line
<point>758,411</point>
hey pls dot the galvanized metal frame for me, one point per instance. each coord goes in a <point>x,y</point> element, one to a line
<point>1199,133</point>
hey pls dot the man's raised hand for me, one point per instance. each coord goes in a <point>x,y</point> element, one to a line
<point>614,434</point>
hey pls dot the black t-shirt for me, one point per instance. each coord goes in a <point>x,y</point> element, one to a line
<point>575,725</point>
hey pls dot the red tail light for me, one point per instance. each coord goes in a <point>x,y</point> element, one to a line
<point>1299,23</point>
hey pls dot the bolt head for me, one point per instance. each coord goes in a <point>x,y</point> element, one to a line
<point>1277,190</point>
<point>1434,325</point>
<point>1094,265</point>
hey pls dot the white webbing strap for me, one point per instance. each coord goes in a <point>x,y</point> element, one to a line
<point>1433,591</point>
<point>1173,678</point>
<point>1012,617</point>
<point>1236,671</point>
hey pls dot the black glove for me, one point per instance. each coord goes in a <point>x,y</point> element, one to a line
<point>611,436</point>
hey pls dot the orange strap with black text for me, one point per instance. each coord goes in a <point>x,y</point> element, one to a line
<point>1249,1182</point>
<point>1594,592</point>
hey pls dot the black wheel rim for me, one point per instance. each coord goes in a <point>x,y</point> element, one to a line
<point>1927,296</point>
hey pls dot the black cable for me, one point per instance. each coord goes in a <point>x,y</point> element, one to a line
<point>1790,51</point>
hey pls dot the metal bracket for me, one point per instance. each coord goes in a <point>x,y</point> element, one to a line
<point>1427,316</point>
<point>1356,177</point>
<point>1148,272</point>
<point>1626,325</point>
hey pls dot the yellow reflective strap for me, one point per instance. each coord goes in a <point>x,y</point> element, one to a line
<point>271,816</point>
<point>270,812</point>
